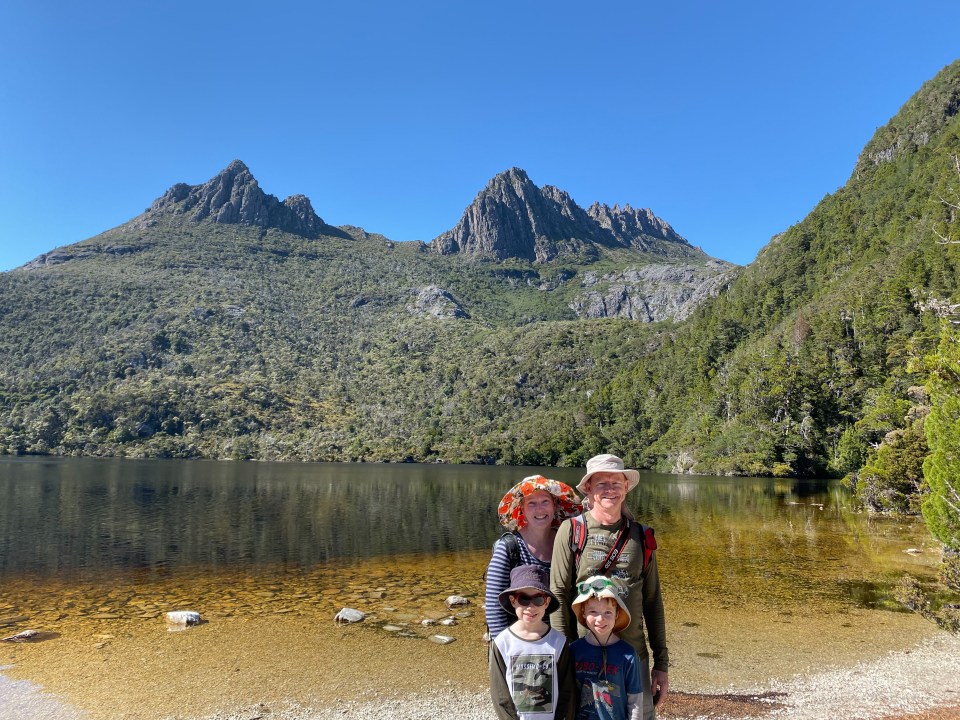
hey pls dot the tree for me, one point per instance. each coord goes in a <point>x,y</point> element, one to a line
<point>941,469</point>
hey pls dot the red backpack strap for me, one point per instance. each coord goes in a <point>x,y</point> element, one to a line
<point>578,538</point>
<point>649,544</point>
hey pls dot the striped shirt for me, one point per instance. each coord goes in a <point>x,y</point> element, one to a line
<point>498,580</point>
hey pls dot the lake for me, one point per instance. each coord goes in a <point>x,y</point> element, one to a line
<point>761,577</point>
<point>71,519</point>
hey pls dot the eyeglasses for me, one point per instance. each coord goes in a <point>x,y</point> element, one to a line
<point>595,584</point>
<point>537,600</point>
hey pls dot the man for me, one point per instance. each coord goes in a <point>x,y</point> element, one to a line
<point>621,555</point>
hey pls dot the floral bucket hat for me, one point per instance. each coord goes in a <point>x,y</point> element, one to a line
<point>565,501</point>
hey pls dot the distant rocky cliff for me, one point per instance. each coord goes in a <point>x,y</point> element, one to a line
<point>234,197</point>
<point>513,218</point>
<point>651,293</point>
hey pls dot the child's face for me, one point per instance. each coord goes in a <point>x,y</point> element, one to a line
<point>600,615</point>
<point>529,612</point>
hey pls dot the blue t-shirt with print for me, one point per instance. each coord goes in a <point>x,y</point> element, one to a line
<point>604,696</point>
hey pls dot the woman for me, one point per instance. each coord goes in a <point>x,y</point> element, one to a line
<point>531,512</point>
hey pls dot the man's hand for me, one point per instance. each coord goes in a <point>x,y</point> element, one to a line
<point>659,685</point>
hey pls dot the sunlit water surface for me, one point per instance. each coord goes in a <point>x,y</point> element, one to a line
<point>759,575</point>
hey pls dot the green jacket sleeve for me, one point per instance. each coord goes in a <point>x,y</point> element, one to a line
<point>653,616</point>
<point>562,581</point>
<point>568,693</point>
<point>499,690</point>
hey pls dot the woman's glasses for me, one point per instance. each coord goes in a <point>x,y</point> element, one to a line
<point>595,584</point>
<point>536,600</point>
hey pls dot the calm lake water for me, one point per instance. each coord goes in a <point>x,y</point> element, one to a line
<point>762,578</point>
<point>72,519</point>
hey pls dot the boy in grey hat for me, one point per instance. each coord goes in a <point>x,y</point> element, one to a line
<point>531,673</point>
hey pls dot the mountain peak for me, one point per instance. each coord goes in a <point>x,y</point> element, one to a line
<point>237,166</point>
<point>233,196</point>
<point>639,229</point>
<point>513,218</point>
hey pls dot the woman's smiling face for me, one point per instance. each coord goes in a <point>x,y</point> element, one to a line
<point>538,509</point>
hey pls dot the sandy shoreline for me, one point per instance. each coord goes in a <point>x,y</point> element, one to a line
<point>269,650</point>
<point>400,681</point>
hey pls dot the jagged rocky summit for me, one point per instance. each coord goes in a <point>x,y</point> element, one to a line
<point>513,218</point>
<point>233,196</point>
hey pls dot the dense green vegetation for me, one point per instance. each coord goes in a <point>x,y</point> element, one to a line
<point>177,339</point>
<point>941,469</point>
<point>223,341</point>
<point>802,366</point>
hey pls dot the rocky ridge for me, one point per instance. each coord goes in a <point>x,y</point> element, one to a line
<point>233,196</point>
<point>513,218</point>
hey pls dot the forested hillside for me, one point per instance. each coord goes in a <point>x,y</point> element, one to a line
<point>223,323</point>
<point>803,365</point>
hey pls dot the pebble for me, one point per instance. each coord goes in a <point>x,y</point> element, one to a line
<point>456,601</point>
<point>25,636</point>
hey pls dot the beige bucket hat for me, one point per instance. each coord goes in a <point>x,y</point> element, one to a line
<point>608,463</point>
<point>600,586</point>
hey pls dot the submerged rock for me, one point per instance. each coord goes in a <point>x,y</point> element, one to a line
<point>456,601</point>
<point>13,620</point>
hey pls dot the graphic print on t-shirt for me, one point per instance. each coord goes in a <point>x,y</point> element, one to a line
<point>532,683</point>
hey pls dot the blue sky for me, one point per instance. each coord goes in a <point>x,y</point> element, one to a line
<point>729,120</point>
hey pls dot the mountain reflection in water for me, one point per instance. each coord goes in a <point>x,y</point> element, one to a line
<point>728,540</point>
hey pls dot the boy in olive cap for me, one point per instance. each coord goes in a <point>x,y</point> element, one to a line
<point>531,674</point>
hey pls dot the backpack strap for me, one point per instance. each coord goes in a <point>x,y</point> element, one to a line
<point>619,543</point>
<point>578,541</point>
<point>510,544</point>
<point>578,538</point>
<point>509,540</point>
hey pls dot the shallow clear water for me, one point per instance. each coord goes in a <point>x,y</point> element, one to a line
<point>762,578</point>
<point>727,540</point>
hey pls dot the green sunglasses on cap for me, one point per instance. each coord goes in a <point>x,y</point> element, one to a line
<point>596,584</point>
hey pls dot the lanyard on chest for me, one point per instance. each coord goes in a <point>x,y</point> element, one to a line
<point>579,538</point>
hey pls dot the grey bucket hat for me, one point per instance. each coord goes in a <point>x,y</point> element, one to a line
<point>530,578</point>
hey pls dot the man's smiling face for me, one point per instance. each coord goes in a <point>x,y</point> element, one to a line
<point>607,490</point>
